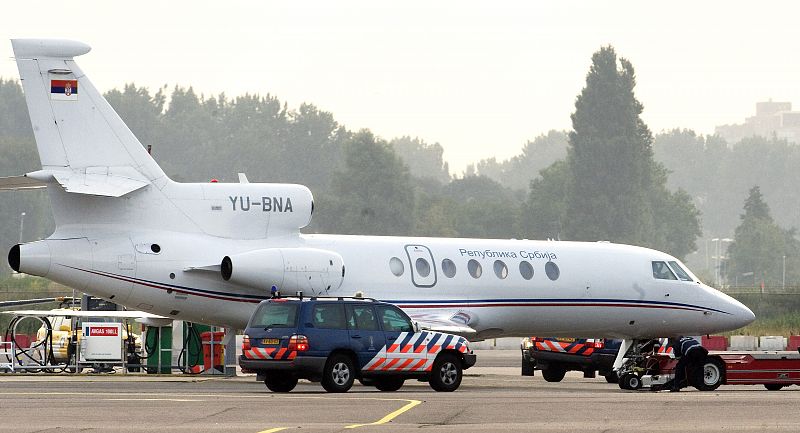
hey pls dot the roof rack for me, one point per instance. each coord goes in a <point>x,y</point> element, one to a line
<point>335,298</point>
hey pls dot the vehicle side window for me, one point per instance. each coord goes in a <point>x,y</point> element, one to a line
<point>394,320</point>
<point>362,317</point>
<point>662,272</point>
<point>328,316</point>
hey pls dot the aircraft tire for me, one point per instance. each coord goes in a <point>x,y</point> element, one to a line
<point>630,381</point>
<point>773,386</point>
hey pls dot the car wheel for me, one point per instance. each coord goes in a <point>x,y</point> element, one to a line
<point>773,386</point>
<point>389,383</point>
<point>710,376</point>
<point>280,383</point>
<point>339,374</point>
<point>612,377</point>
<point>446,373</point>
<point>630,381</point>
<point>553,374</point>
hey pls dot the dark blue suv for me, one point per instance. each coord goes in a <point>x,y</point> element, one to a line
<point>337,340</point>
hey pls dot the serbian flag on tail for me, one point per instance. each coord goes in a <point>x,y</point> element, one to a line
<point>64,90</point>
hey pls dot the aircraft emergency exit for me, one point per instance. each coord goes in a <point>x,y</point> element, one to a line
<point>209,252</point>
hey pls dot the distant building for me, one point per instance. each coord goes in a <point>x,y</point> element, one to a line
<point>772,118</point>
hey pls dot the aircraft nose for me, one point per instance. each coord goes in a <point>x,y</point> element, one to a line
<point>743,316</point>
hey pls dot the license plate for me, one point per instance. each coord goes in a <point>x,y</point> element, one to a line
<point>566,340</point>
<point>270,341</point>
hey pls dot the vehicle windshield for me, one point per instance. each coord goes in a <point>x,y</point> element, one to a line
<point>275,315</point>
<point>682,274</point>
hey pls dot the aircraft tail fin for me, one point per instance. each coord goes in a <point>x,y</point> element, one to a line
<point>83,144</point>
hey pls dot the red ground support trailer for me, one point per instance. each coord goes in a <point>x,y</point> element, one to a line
<point>773,369</point>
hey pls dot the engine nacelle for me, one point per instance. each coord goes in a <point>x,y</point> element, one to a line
<point>310,270</point>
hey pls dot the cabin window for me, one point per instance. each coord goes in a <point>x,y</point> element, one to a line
<point>474,268</point>
<point>682,274</point>
<point>526,270</point>
<point>448,268</point>
<point>500,269</point>
<point>662,272</point>
<point>396,266</point>
<point>552,271</point>
<point>423,267</point>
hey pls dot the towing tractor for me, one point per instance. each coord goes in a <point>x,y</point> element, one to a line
<point>772,369</point>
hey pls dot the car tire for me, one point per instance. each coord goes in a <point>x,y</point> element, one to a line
<point>446,373</point>
<point>389,384</point>
<point>553,374</point>
<point>630,381</point>
<point>710,376</point>
<point>280,382</point>
<point>339,373</point>
<point>611,377</point>
<point>773,386</point>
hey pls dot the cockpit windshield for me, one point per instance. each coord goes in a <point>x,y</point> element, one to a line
<point>662,272</point>
<point>682,274</point>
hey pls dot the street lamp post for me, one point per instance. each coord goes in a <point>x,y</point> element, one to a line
<point>21,225</point>
<point>717,274</point>
<point>783,283</point>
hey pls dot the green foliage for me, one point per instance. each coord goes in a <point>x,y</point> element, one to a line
<point>373,192</point>
<point>545,210</point>
<point>760,246</point>
<point>482,208</point>
<point>610,157</point>
<point>517,172</point>
<point>423,159</point>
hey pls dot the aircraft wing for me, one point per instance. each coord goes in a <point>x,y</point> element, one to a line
<point>20,182</point>
<point>450,321</point>
<point>63,312</point>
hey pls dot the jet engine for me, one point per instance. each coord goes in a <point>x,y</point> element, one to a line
<point>310,270</point>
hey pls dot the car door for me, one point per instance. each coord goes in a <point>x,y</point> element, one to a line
<point>366,337</point>
<point>406,350</point>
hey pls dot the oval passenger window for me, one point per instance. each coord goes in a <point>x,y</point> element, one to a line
<point>474,268</point>
<point>396,266</point>
<point>526,270</point>
<point>552,271</point>
<point>448,268</point>
<point>423,267</point>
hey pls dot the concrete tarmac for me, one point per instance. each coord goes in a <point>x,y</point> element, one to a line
<point>492,397</point>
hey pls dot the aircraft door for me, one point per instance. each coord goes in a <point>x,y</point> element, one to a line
<point>422,265</point>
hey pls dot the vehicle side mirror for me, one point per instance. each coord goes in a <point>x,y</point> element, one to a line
<point>416,327</point>
<point>65,328</point>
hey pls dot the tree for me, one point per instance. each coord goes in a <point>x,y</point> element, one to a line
<point>617,191</point>
<point>760,246</point>
<point>372,194</point>
<point>544,212</point>
<point>517,172</point>
<point>482,208</point>
<point>423,159</point>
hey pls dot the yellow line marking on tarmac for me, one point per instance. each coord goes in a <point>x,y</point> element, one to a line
<point>391,416</point>
<point>273,430</point>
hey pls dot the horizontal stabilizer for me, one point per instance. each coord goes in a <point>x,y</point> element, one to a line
<point>105,181</point>
<point>20,182</point>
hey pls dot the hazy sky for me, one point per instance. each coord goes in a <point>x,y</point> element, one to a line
<point>480,78</point>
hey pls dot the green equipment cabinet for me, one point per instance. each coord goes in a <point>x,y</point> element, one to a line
<point>158,343</point>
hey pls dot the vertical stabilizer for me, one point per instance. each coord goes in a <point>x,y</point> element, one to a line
<point>78,134</point>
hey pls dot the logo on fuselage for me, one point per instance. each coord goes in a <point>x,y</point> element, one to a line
<point>265,204</point>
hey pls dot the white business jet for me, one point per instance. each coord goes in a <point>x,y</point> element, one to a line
<point>209,252</point>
